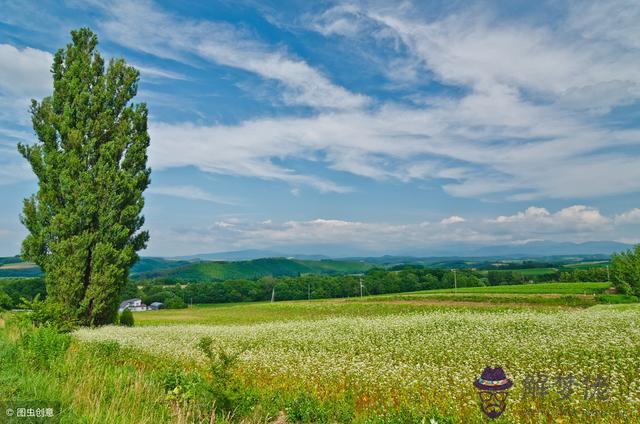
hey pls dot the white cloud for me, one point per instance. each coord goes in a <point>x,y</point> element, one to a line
<point>573,219</point>
<point>629,217</point>
<point>145,27</point>
<point>493,141</point>
<point>373,236</point>
<point>25,72</point>
<point>454,142</point>
<point>189,192</point>
<point>574,223</point>
<point>454,219</point>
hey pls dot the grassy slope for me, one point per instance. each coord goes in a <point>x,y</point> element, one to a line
<point>548,295</point>
<point>124,385</point>
<point>361,361</point>
<point>541,288</point>
<point>210,271</point>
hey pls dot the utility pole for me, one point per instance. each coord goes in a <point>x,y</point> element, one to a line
<point>309,290</point>
<point>361,287</point>
<point>455,282</point>
<point>608,276</point>
<point>273,294</point>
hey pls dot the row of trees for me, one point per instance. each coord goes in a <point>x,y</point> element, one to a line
<point>377,281</point>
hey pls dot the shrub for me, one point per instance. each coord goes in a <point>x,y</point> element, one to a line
<point>126,318</point>
<point>44,344</point>
<point>226,392</point>
<point>48,313</point>
<point>175,303</point>
<point>616,298</point>
<point>5,301</point>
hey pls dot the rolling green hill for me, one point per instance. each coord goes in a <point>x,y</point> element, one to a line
<point>212,271</point>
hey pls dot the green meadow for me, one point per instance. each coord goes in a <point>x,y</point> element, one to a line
<point>376,359</point>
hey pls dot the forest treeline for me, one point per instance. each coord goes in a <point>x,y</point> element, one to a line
<point>175,293</point>
<point>375,281</point>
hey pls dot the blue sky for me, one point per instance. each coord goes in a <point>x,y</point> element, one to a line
<point>357,127</point>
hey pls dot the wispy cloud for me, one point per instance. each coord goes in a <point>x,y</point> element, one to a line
<point>145,27</point>
<point>189,192</point>
<point>522,114</point>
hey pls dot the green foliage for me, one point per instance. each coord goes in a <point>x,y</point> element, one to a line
<point>130,291</point>
<point>126,318</point>
<point>539,288</point>
<point>90,162</point>
<point>43,345</point>
<point>49,313</point>
<point>224,389</point>
<point>496,278</point>
<point>175,303</point>
<point>5,301</point>
<point>595,273</point>
<point>625,271</point>
<point>307,408</point>
<point>18,288</point>
<point>616,298</point>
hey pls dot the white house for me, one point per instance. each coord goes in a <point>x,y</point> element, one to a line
<point>134,305</point>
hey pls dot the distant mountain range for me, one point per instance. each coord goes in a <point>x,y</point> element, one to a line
<point>551,248</point>
<point>246,255</point>
<point>256,268</point>
<point>258,263</point>
<point>534,248</point>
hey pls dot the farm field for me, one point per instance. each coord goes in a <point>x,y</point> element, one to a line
<point>540,288</point>
<point>384,360</point>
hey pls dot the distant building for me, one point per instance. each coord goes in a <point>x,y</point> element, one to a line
<point>134,305</point>
<point>156,305</point>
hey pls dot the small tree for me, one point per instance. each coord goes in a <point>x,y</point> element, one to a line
<point>90,162</point>
<point>126,318</point>
<point>625,271</point>
<point>5,301</point>
<point>174,303</point>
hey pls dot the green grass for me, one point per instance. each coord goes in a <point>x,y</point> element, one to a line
<point>515,296</point>
<point>414,366</point>
<point>536,271</point>
<point>526,271</point>
<point>370,360</point>
<point>539,288</point>
<point>263,312</point>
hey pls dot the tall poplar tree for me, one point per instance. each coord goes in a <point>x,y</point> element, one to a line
<point>91,163</point>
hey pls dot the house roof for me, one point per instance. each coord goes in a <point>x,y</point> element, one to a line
<point>156,304</point>
<point>128,302</point>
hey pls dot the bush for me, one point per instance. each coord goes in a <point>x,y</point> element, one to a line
<point>49,313</point>
<point>175,303</point>
<point>616,298</point>
<point>42,345</point>
<point>5,301</point>
<point>126,318</point>
<point>226,392</point>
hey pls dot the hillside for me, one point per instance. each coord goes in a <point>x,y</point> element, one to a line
<point>211,271</point>
<point>13,267</point>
